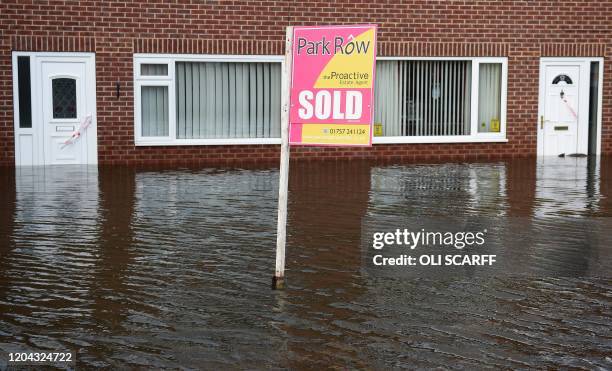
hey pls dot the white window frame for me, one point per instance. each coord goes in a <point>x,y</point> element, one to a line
<point>170,82</point>
<point>474,136</point>
<point>171,59</point>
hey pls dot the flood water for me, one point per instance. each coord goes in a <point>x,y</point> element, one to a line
<point>158,268</point>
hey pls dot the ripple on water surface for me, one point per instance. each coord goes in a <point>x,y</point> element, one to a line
<point>159,268</point>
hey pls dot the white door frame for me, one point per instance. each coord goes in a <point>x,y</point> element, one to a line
<point>35,133</point>
<point>541,96</point>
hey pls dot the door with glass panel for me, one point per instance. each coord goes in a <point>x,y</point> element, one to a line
<point>64,105</point>
<point>563,121</point>
<point>55,109</point>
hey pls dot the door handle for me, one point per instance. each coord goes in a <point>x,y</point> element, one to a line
<point>542,121</point>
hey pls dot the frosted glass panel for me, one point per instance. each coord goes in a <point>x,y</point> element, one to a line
<point>154,69</point>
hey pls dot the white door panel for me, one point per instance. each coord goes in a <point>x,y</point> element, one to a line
<point>64,105</point>
<point>563,108</point>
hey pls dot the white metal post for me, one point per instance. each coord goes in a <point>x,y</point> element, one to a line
<point>278,281</point>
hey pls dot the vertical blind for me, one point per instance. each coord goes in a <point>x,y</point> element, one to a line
<point>423,98</point>
<point>154,103</point>
<point>217,100</point>
<point>489,96</point>
<point>228,100</point>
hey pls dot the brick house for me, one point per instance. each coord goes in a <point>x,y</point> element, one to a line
<point>198,81</point>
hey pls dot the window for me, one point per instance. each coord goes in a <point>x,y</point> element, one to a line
<point>154,111</point>
<point>148,69</point>
<point>207,99</point>
<point>440,100</point>
<point>562,79</point>
<point>25,91</point>
<point>489,98</point>
<point>424,98</point>
<point>64,98</point>
<point>228,100</point>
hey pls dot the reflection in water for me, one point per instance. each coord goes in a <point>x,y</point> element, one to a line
<point>116,207</point>
<point>159,268</point>
<point>50,258</point>
<point>323,263</point>
<point>567,186</point>
<point>434,190</point>
<point>546,234</point>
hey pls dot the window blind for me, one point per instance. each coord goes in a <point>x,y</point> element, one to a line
<point>423,98</point>
<point>228,100</point>
<point>154,103</point>
<point>489,96</point>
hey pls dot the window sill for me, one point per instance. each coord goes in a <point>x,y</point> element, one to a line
<point>205,142</point>
<point>258,141</point>
<point>438,139</point>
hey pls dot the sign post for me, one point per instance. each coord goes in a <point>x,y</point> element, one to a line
<point>278,281</point>
<point>327,100</point>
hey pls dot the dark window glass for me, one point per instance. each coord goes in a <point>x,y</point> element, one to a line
<point>562,78</point>
<point>25,93</point>
<point>64,98</point>
<point>593,106</point>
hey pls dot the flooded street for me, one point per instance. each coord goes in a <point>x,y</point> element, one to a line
<point>160,268</point>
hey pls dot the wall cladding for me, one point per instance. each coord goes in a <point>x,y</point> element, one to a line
<point>521,30</point>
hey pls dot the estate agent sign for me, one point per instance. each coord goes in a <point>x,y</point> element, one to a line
<point>332,83</point>
<point>327,100</point>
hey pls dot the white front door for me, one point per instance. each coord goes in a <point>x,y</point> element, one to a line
<point>67,99</point>
<point>564,111</point>
<point>63,96</point>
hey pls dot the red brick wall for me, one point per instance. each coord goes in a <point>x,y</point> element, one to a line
<point>521,30</point>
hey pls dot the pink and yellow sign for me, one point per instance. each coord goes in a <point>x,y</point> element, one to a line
<point>332,84</point>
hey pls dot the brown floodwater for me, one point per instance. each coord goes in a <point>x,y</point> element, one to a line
<point>171,268</point>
